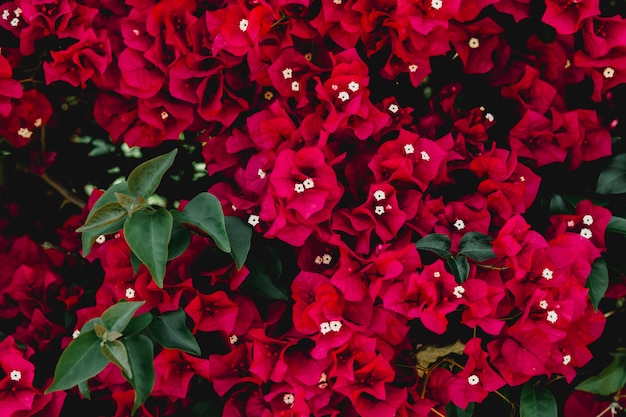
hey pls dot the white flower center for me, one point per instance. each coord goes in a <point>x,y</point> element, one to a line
<point>233,339</point>
<point>474,43</point>
<point>413,67</point>
<point>343,96</point>
<point>318,260</point>
<point>489,117</point>
<point>437,274</point>
<point>425,156</point>
<point>38,122</point>
<point>15,375</point>
<point>552,316</point>
<point>588,219</point>
<point>326,259</point>
<point>379,195</point>
<point>608,72</point>
<point>547,273</point>
<point>570,223</point>
<point>308,183</point>
<point>253,220</point>
<point>243,25</point>
<point>164,115</point>
<point>130,293</point>
<point>75,334</point>
<point>380,210</point>
<point>261,173</point>
<point>287,73</point>
<point>335,325</point>
<point>337,1</point>
<point>459,224</point>
<point>298,188</point>
<point>5,14</point>
<point>393,108</point>
<point>136,32</point>
<point>15,22</point>
<point>543,304</point>
<point>409,149</point>
<point>25,132</point>
<point>323,382</point>
<point>458,291</point>
<point>324,327</point>
<point>436,4</point>
<point>567,359</point>
<point>289,399</point>
<point>101,239</point>
<point>353,86</point>
<point>295,86</point>
<point>473,380</point>
<point>586,233</point>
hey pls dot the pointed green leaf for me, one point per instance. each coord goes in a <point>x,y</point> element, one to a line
<point>134,262</point>
<point>204,211</point>
<point>124,200</point>
<point>109,197</point>
<point>558,205</point>
<point>137,324</point>
<point>537,402</point>
<point>82,359</point>
<point>104,217</point>
<point>89,238</point>
<point>148,234</point>
<point>141,357</point>
<point>83,387</point>
<point>617,225</point>
<point>170,331</point>
<point>240,236</point>
<point>115,351</point>
<point>598,282</point>
<point>146,177</point>
<point>612,179</point>
<point>460,268</point>
<point>117,317</point>
<point>179,242</point>
<point>609,381</point>
<point>476,246</point>
<point>437,243</point>
<point>265,270</point>
<point>454,411</point>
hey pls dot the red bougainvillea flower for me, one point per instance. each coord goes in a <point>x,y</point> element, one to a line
<point>596,141</point>
<point>519,9</point>
<point>213,312</point>
<point>533,137</point>
<point>606,71</point>
<point>475,43</point>
<point>16,387</point>
<point>566,16</point>
<point>601,34</point>
<point>589,221</point>
<point>531,92</point>
<point>27,116</point>
<point>9,88</point>
<point>174,371</point>
<point>484,298</point>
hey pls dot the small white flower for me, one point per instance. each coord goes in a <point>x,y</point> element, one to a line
<point>101,239</point>
<point>409,149</point>
<point>437,274</point>
<point>164,115</point>
<point>489,117</point>
<point>393,108</point>
<point>588,219</point>
<point>334,87</point>
<point>289,399</point>
<point>379,195</point>
<point>318,260</point>
<point>547,273</point>
<point>17,12</point>
<point>552,316</point>
<point>586,233</point>
<point>353,86</point>
<point>327,259</point>
<point>543,304</point>
<point>261,173</point>
<point>38,122</point>
<point>253,220</point>
<point>413,67</point>
<point>232,206</point>
<point>608,72</point>
<point>436,4</point>
<point>337,1</point>
<point>474,43</point>
<point>15,375</point>
<point>459,224</point>
<point>233,339</point>
<point>567,359</point>
<point>459,291</point>
<point>130,293</point>
<point>15,22</point>
<point>25,132</point>
<point>75,334</point>
<point>5,14</point>
<point>243,25</point>
<point>287,73</point>
<point>568,63</point>
<point>308,183</point>
<point>335,325</point>
<point>522,178</point>
<point>324,327</point>
<point>343,96</point>
<point>570,223</point>
<point>298,188</point>
<point>473,380</point>
<point>136,32</point>
<point>380,210</point>
<point>425,156</point>
<point>295,86</point>
<point>323,382</point>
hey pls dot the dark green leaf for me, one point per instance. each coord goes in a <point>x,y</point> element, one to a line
<point>204,211</point>
<point>537,402</point>
<point>146,177</point>
<point>179,241</point>
<point>609,381</point>
<point>115,351</point>
<point>460,268</point>
<point>476,246</point>
<point>598,282</point>
<point>148,234</point>
<point>117,317</point>
<point>437,243</point>
<point>103,218</point>
<point>89,238</point>
<point>454,411</point>
<point>82,359</point>
<point>137,324</point>
<point>134,262</point>
<point>170,331</point>
<point>617,225</point>
<point>83,387</point>
<point>612,179</point>
<point>141,357</point>
<point>206,408</point>
<point>265,269</point>
<point>109,197</point>
<point>558,205</point>
<point>240,236</point>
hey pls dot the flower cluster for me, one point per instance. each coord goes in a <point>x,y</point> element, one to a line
<point>346,130</point>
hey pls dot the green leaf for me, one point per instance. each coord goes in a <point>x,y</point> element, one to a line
<point>134,262</point>
<point>103,218</point>
<point>612,179</point>
<point>148,234</point>
<point>204,211</point>
<point>206,408</point>
<point>83,387</point>
<point>82,359</point>
<point>598,282</point>
<point>460,268</point>
<point>137,324</point>
<point>117,317</point>
<point>476,246</point>
<point>141,357</point>
<point>265,269</point>
<point>179,241</point>
<point>454,411</point>
<point>558,205</point>
<point>617,225</point>
<point>239,236</point>
<point>170,331</point>
<point>609,381</point>
<point>537,402</point>
<point>146,177</point>
<point>115,351</point>
<point>109,196</point>
<point>437,243</point>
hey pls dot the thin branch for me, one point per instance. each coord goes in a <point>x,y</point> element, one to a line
<point>437,412</point>
<point>67,194</point>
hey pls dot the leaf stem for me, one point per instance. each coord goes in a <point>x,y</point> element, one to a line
<point>67,194</point>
